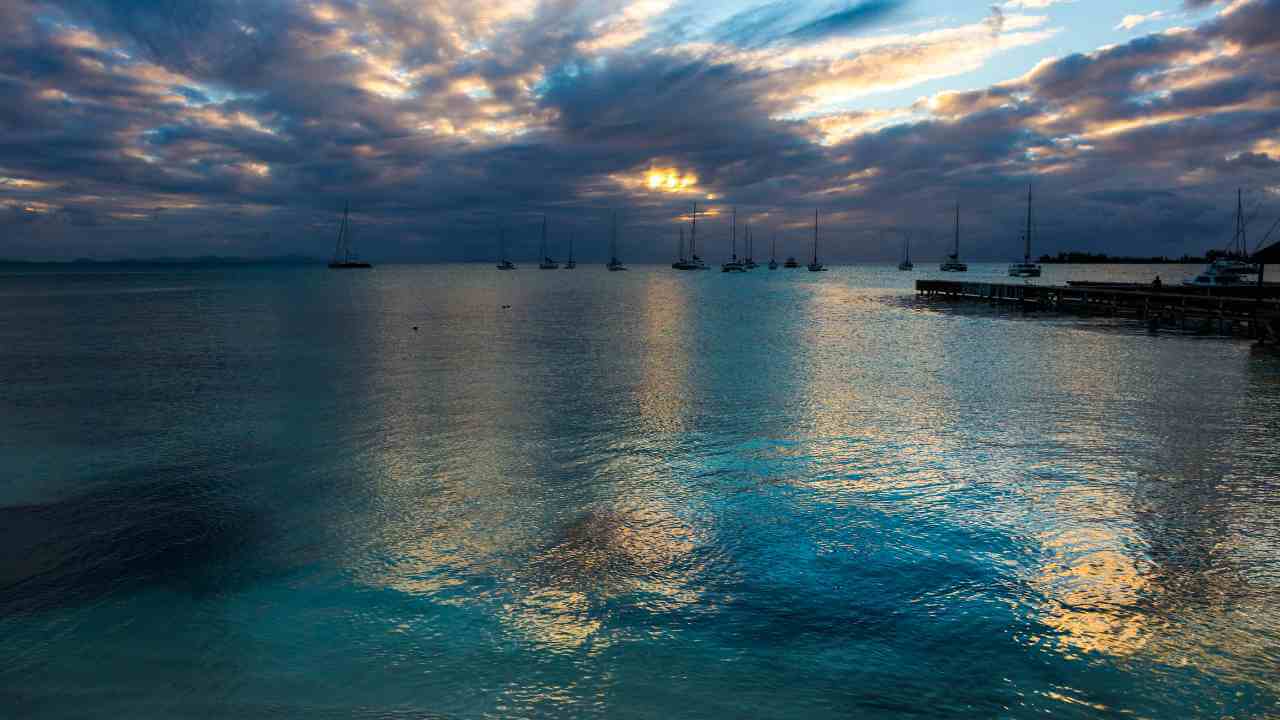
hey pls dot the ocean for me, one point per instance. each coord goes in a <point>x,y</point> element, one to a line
<point>445,491</point>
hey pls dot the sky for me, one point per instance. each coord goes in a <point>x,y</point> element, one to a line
<point>172,128</point>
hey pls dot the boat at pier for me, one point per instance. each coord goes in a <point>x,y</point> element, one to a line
<point>1232,268</point>
<point>1026,268</point>
<point>952,263</point>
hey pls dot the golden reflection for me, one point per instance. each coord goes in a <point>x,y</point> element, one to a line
<point>603,554</point>
<point>666,388</point>
<point>1092,591</point>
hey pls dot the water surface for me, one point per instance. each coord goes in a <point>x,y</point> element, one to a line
<point>261,493</point>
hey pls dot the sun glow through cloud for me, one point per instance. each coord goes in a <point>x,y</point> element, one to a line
<point>670,180</point>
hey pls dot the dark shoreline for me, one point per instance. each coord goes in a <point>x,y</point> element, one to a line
<point>195,262</point>
<point>1080,258</point>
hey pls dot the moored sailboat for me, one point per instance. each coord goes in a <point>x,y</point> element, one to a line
<point>1026,268</point>
<point>1233,268</point>
<point>906,264</point>
<point>343,258</point>
<point>733,265</point>
<point>816,266</point>
<point>952,263</point>
<point>547,263</point>
<point>773,252</point>
<point>692,262</point>
<point>503,263</point>
<point>615,265</point>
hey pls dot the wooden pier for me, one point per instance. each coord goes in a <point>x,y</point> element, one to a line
<point>1254,314</point>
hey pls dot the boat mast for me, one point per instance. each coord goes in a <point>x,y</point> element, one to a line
<point>544,238</point>
<point>733,233</point>
<point>680,247</point>
<point>956,254</point>
<point>906,242</point>
<point>815,236</point>
<point>1026,258</point>
<point>1240,219</point>
<point>570,247</point>
<point>693,233</point>
<point>341,251</point>
<point>613,239</point>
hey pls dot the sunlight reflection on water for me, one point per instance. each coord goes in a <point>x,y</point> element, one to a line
<point>661,495</point>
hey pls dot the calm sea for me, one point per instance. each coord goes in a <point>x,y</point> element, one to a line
<point>258,493</point>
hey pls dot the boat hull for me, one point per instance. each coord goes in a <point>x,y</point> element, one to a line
<point>349,266</point>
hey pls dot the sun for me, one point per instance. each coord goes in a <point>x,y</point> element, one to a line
<point>670,180</point>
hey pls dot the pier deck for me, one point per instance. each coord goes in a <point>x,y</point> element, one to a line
<point>1254,312</point>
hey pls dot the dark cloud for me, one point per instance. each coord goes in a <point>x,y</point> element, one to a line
<point>193,126</point>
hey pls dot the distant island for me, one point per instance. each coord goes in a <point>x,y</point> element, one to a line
<point>199,261</point>
<point>1085,258</point>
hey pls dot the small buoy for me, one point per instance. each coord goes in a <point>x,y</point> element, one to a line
<point>415,328</point>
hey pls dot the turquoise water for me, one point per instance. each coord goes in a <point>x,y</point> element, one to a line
<point>262,493</point>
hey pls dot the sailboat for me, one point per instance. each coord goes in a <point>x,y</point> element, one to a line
<point>547,263</point>
<point>571,264</point>
<point>773,252</point>
<point>952,263</point>
<point>343,259</point>
<point>733,265</point>
<point>615,265</point>
<point>816,266</point>
<point>1026,268</point>
<point>906,265</point>
<point>692,262</point>
<point>791,262</point>
<point>504,263</point>
<point>1233,267</point>
<point>750,262</point>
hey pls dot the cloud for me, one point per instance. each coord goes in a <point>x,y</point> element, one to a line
<point>1129,22</point>
<point>193,126</point>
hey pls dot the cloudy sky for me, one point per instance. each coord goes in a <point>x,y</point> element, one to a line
<point>181,127</point>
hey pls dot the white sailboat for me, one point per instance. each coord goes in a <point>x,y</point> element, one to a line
<point>952,263</point>
<point>692,262</point>
<point>733,265</point>
<point>1026,268</point>
<point>816,266</point>
<point>1233,268</point>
